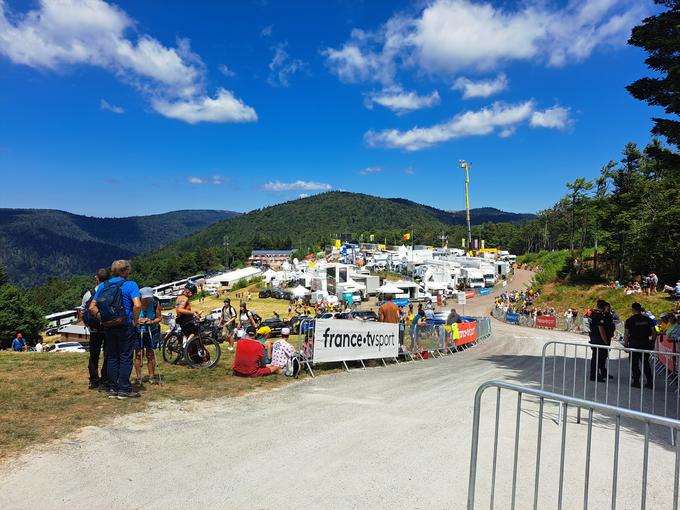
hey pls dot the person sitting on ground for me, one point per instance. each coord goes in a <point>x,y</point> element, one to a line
<point>249,357</point>
<point>673,291</point>
<point>19,343</point>
<point>263,335</point>
<point>148,334</point>
<point>281,352</point>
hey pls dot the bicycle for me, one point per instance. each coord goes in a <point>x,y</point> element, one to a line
<point>202,349</point>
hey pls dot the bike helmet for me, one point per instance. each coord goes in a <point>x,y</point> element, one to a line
<point>191,287</point>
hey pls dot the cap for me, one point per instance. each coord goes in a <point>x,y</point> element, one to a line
<point>227,300</point>
<point>146,292</point>
<point>250,330</point>
<point>285,332</point>
<point>264,330</point>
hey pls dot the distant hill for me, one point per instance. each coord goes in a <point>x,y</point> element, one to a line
<point>37,243</point>
<point>308,222</point>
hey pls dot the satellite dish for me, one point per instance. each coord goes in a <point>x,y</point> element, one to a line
<point>296,261</point>
<point>286,266</point>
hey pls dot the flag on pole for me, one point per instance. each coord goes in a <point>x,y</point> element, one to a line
<point>406,237</point>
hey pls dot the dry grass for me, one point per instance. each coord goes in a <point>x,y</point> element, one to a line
<point>44,396</point>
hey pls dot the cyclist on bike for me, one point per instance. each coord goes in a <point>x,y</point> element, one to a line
<point>186,317</point>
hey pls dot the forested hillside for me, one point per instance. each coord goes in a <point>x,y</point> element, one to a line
<point>309,224</point>
<point>37,243</point>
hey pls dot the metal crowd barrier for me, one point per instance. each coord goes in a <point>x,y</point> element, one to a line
<point>566,368</point>
<point>604,491</point>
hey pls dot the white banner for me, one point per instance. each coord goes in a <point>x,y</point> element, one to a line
<point>346,340</point>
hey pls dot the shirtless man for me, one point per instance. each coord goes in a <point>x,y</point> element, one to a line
<point>186,318</point>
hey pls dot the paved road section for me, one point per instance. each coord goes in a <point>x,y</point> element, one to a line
<point>395,437</point>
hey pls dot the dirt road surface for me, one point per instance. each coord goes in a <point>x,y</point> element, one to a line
<point>395,437</point>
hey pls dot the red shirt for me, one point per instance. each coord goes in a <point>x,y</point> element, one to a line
<point>249,357</point>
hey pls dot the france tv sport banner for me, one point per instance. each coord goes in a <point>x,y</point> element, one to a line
<point>546,321</point>
<point>467,333</point>
<point>347,340</point>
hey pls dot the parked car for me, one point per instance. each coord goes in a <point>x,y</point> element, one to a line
<point>366,315</point>
<point>276,325</point>
<point>277,294</point>
<point>264,294</point>
<point>66,347</point>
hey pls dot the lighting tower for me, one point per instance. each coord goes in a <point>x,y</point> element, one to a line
<point>464,164</point>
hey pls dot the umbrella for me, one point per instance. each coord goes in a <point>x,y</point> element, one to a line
<point>388,288</point>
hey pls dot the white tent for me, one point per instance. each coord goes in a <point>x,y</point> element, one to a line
<point>269,275</point>
<point>300,291</point>
<point>388,288</point>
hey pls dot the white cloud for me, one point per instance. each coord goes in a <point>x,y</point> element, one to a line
<point>471,123</point>
<point>400,101</point>
<point>450,36</point>
<point>481,88</point>
<point>226,71</point>
<point>297,185</point>
<point>409,171</point>
<point>267,31</point>
<point>63,33</point>
<point>224,107</point>
<point>105,105</point>
<point>215,180</point>
<point>370,170</point>
<point>282,67</point>
<point>303,195</point>
<point>556,117</point>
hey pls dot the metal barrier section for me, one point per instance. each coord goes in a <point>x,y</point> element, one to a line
<point>484,328</point>
<point>577,324</point>
<point>604,373</point>
<point>616,461</point>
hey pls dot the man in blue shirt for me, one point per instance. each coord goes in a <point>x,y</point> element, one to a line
<point>19,343</point>
<point>120,340</point>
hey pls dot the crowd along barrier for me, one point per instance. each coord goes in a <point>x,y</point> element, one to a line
<point>518,478</point>
<point>560,323</point>
<point>335,340</point>
<point>566,368</point>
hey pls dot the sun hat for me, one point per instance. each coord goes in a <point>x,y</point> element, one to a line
<point>146,293</point>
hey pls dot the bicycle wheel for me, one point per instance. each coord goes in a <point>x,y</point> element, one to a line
<point>202,352</point>
<point>172,349</point>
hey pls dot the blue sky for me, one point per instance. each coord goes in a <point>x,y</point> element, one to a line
<point>132,108</point>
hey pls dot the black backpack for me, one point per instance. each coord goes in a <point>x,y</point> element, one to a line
<point>90,320</point>
<point>110,303</point>
<point>293,366</point>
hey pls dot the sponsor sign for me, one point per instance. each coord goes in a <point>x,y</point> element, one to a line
<point>469,294</point>
<point>467,333</point>
<point>347,340</point>
<point>512,318</point>
<point>400,302</point>
<point>483,292</point>
<point>545,321</point>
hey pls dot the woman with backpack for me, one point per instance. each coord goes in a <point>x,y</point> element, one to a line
<point>246,317</point>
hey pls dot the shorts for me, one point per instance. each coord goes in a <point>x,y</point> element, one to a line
<point>229,330</point>
<point>260,372</point>
<point>144,340</point>
<point>189,328</point>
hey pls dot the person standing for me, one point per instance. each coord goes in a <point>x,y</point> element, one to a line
<point>117,304</point>
<point>640,334</point>
<point>227,322</point>
<point>97,336</point>
<point>148,334</point>
<point>598,337</point>
<point>19,343</point>
<point>388,311</point>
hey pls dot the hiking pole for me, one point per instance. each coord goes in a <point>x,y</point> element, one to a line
<point>155,361</point>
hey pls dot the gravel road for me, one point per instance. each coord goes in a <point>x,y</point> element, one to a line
<point>394,437</point>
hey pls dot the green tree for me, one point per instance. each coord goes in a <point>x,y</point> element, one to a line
<point>659,36</point>
<point>18,315</point>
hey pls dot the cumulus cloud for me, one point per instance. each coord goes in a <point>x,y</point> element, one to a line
<point>481,88</point>
<point>63,33</point>
<point>282,67</point>
<point>297,185</point>
<point>499,116</point>
<point>400,101</point>
<point>215,180</point>
<point>450,36</point>
<point>370,170</point>
<point>105,105</point>
<point>267,31</point>
<point>556,117</point>
<point>224,107</point>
